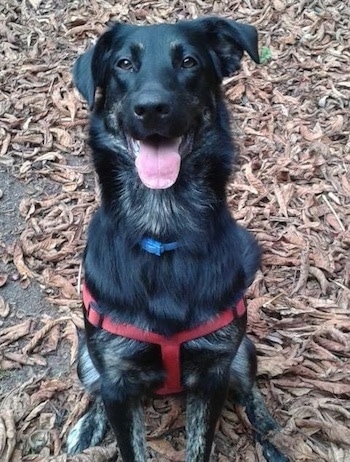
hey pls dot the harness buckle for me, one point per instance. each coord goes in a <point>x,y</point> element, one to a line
<point>157,248</point>
<point>152,246</point>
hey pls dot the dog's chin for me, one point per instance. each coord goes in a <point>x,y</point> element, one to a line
<point>158,158</point>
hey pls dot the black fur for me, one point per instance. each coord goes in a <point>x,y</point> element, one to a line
<point>160,82</point>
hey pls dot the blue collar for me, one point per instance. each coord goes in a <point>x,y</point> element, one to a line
<point>155,247</point>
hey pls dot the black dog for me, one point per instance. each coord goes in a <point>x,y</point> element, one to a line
<point>166,266</point>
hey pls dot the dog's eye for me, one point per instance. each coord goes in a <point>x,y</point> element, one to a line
<point>188,62</point>
<point>125,64</point>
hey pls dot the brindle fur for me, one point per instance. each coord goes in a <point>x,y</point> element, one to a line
<point>216,259</point>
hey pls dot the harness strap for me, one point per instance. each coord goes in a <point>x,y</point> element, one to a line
<point>170,346</point>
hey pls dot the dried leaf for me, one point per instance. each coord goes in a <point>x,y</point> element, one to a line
<point>3,279</point>
<point>12,334</point>
<point>254,181</point>
<point>80,407</point>
<point>18,260</point>
<point>4,308</point>
<point>2,437</point>
<point>41,334</point>
<point>284,194</point>
<point>71,335</point>
<point>22,359</point>
<point>35,3</point>
<point>276,366</point>
<point>57,280</point>
<point>47,390</point>
<point>96,454</point>
<point>166,451</point>
<point>313,135</point>
<point>304,270</point>
<point>167,421</point>
<point>279,5</point>
<point>334,388</point>
<point>7,435</point>
<point>63,137</point>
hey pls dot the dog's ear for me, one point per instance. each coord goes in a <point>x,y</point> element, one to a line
<point>228,40</point>
<point>90,68</point>
<point>82,76</point>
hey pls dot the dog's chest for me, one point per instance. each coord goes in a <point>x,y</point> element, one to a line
<point>143,364</point>
<point>163,212</point>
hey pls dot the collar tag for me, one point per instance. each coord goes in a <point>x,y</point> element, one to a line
<point>157,248</point>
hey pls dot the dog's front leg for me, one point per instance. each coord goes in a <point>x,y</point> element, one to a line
<point>125,414</point>
<point>203,410</point>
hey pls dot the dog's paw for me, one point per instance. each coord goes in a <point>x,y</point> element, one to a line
<point>88,431</point>
<point>265,427</point>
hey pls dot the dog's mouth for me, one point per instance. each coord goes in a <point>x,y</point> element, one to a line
<point>158,159</point>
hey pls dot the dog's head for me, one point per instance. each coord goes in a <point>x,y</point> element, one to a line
<point>158,82</point>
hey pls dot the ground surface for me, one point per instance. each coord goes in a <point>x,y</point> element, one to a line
<point>291,120</point>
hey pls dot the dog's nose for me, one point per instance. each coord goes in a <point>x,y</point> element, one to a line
<point>151,107</point>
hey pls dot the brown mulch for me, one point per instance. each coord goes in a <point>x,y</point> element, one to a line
<point>291,120</point>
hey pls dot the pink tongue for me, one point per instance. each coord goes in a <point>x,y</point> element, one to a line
<point>158,164</point>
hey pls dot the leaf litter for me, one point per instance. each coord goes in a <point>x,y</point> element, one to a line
<point>291,123</point>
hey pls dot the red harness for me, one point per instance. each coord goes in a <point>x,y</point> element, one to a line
<point>170,346</point>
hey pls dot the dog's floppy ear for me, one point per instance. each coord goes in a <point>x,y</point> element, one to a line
<point>90,69</point>
<point>228,40</point>
<point>82,76</point>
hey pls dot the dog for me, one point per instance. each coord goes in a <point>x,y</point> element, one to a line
<point>166,265</point>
